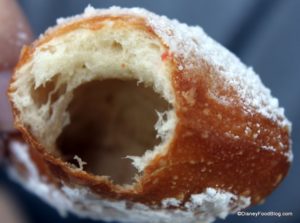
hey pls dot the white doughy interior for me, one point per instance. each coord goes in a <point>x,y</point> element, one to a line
<point>124,64</point>
<point>110,120</point>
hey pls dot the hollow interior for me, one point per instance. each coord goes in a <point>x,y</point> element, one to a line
<point>109,120</point>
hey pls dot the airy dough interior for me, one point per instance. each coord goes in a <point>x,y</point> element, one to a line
<point>102,95</point>
<point>110,120</point>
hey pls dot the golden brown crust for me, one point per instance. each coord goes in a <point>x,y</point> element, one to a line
<point>199,156</point>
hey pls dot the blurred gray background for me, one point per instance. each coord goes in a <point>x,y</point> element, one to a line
<point>265,34</point>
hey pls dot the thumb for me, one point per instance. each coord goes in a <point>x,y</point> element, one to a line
<point>14,33</point>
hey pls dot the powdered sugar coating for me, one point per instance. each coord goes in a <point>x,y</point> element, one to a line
<point>204,207</point>
<point>269,148</point>
<point>217,203</point>
<point>186,41</point>
<point>211,203</point>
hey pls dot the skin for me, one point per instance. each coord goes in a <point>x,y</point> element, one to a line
<point>9,208</point>
<point>14,33</point>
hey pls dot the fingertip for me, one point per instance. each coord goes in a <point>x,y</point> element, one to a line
<point>14,33</point>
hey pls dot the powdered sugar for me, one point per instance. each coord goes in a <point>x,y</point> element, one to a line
<point>211,203</point>
<point>170,202</point>
<point>186,41</point>
<point>268,148</point>
<point>289,154</point>
<point>84,203</point>
<point>34,182</point>
<point>214,203</point>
